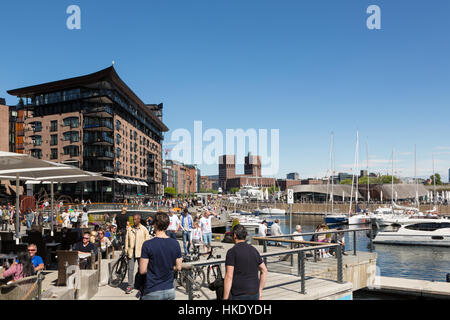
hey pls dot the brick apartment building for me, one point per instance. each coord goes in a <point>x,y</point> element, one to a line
<point>184,178</point>
<point>97,123</point>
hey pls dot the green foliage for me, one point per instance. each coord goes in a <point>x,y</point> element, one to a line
<point>346,181</point>
<point>234,190</point>
<point>438,179</point>
<point>170,191</point>
<point>373,180</point>
<point>273,189</point>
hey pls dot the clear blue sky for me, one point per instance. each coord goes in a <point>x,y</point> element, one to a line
<point>306,67</point>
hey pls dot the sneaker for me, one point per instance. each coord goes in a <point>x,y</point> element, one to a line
<point>129,290</point>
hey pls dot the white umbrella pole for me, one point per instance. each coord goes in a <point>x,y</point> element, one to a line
<point>17,209</point>
<point>52,199</point>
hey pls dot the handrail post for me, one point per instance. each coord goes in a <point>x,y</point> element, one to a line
<point>189,284</point>
<point>354,243</point>
<point>292,255</point>
<point>371,239</point>
<point>265,250</point>
<point>340,276</point>
<point>301,262</point>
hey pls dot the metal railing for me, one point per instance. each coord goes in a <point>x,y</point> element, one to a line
<point>331,231</point>
<point>187,268</point>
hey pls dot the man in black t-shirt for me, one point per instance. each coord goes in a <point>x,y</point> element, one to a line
<point>122,223</point>
<point>85,246</point>
<point>242,264</point>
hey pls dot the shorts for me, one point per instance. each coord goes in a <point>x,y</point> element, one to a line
<point>207,238</point>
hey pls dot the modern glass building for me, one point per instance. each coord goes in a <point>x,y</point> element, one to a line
<point>97,123</point>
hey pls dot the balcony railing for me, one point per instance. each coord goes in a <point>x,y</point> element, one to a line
<point>108,169</point>
<point>99,154</point>
<point>98,124</point>
<point>104,109</point>
<point>99,138</point>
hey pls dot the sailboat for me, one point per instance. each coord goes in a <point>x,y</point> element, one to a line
<point>333,218</point>
<point>272,211</point>
<point>361,217</point>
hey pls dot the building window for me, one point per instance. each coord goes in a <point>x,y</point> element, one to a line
<point>118,125</point>
<point>37,141</point>
<point>118,138</point>
<point>73,122</point>
<point>118,152</point>
<point>54,125</point>
<point>54,140</point>
<point>36,153</point>
<point>73,151</point>
<point>54,154</point>
<point>72,136</point>
<point>37,126</point>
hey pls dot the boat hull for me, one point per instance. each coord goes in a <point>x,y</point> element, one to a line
<point>336,219</point>
<point>439,238</point>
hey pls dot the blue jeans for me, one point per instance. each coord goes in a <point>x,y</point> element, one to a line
<point>207,238</point>
<point>245,297</point>
<point>171,234</point>
<point>29,224</point>
<point>160,295</point>
<point>186,237</point>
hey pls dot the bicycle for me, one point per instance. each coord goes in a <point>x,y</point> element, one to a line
<point>119,270</point>
<point>197,275</point>
<point>214,271</point>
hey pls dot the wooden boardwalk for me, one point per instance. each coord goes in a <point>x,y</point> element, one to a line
<point>282,282</point>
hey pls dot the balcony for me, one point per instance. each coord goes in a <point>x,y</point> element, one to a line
<point>98,125</point>
<point>98,138</point>
<point>99,155</point>
<point>104,112</point>
<point>99,168</point>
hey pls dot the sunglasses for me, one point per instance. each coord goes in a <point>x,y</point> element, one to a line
<point>31,250</point>
<point>86,238</point>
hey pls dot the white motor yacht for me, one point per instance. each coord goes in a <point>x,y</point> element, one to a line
<point>432,233</point>
<point>272,211</point>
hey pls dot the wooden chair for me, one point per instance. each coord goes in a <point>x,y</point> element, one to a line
<point>24,289</point>
<point>65,259</point>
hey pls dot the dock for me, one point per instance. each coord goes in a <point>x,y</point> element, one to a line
<point>282,281</point>
<point>411,287</point>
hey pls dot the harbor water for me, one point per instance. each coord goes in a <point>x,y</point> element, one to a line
<point>413,262</point>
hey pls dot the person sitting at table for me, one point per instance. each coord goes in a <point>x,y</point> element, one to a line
<point>37,261</point>
<point>105,243</point>
<point>85,246</point>
<point>21,268</point>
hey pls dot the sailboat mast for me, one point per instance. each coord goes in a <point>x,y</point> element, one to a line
<point>353,177</point>
<point>392,183</point>
<point>434,181</point>
<point>357,169</point>
<point>368,175</point>
<point>332,172</point>
<point>415,177</point>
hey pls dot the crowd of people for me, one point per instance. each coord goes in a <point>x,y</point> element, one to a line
<point>151,246</point>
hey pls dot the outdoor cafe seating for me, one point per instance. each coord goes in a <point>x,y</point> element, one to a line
<point>68,258</point>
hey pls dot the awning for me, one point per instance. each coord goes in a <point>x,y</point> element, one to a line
<point>15,166</point>
<point>120,181</point>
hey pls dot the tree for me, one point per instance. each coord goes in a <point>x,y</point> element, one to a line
<point>273,189</point>
<point>169,191</point>
<point>373,180</point>
<point>346,181</point>
<point>438,179</point>
<point>234,190</point>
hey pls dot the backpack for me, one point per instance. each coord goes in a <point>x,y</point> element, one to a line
<point>218,287</point>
